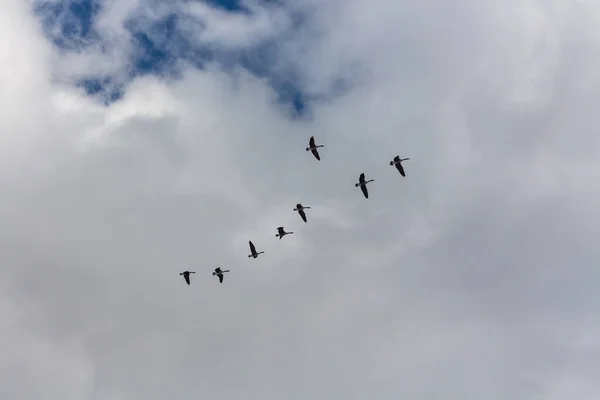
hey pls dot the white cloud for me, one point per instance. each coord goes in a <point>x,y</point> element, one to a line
<point>222,28</point>
<point>473,277</point>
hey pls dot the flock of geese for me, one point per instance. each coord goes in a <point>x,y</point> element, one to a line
<point>312,147</point>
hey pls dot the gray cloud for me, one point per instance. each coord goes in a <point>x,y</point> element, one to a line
<point>474,277</point>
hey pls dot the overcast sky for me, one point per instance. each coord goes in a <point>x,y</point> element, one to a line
<point>475,277</point>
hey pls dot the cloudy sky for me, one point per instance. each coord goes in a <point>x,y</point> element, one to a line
<point>140,138</point>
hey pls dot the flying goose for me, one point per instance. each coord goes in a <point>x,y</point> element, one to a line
<point>312,147</point>
<point>219,273</point>
<point>397,161</point>
<point>281,233</point>
<point>253,252</point>
<point>186,275</point>
<point>363,184</point>
<point>300,208</point>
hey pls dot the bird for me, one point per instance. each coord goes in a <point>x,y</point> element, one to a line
<point>397,161</point>
<point>312,147</point>
<point>363,184</point>
<point>300,208</point>
<point>281,233</point>
<point>253,252</point>
<point>186,275</point>
<point>218,272</point>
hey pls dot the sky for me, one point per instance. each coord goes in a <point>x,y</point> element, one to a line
<point>140,139</point>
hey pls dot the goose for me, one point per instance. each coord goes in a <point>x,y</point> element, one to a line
<point>397,161</point>
<point>281,233</point>
<point>312,147</point>
<point>186,275</point>
<point>300,208</point>
<point>253,252</point>
<point>363,184</point>
<point>218,272</point>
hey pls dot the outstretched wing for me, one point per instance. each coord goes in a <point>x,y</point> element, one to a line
<point>187,278</point>
<point>220,278</point>
<point>316,154</point>
<point>252,248</point>
<point>280,230</point>
<point>400,169</point>
<point>218,270</point>
<point>311,142</point>
<point>302,215</point>
<point>396,159</point>
<point>364,190</point>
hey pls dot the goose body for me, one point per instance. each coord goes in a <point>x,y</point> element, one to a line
<point>363,184</point>
<point>397,161</point>
<point>186,275</point>
<point>313,148</point>
<point>300,208</point>
<point>218,272</point>
<point>281,232</point>
<point>253,252</point>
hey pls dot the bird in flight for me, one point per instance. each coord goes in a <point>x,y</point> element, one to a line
<point>281,233</point>
<point>363,184</point>
<point>186,275</point>
<point>253,252</point>
<point>397,161</point>
<point>300,208</point>
<point>312,147</point>
<point>218,272</point>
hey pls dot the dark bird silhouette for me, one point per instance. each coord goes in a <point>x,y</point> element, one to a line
<point>253,252</point>
<point>312,147</point>
<point>363,184</point>
<point>219,273</point>
<point>300,208</point>
<point>397,161</point>
<point>281,233</point>
<point>186,275</point>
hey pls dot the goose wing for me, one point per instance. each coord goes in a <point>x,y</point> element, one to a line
<point>400,169</point>
<point>220,277</point>
<point>302,215</point>
<point>280,230</point>
<point>218,270</point>
<point>316,154</point>
<point>187,278</point>
<point>396,159</point>
<point>252,248</point>
<point>361,178</point>
<point>365,191</point>
<point>311,142</point>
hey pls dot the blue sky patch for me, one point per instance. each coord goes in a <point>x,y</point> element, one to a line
<point>229,5</point>
<point>69,25</point>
